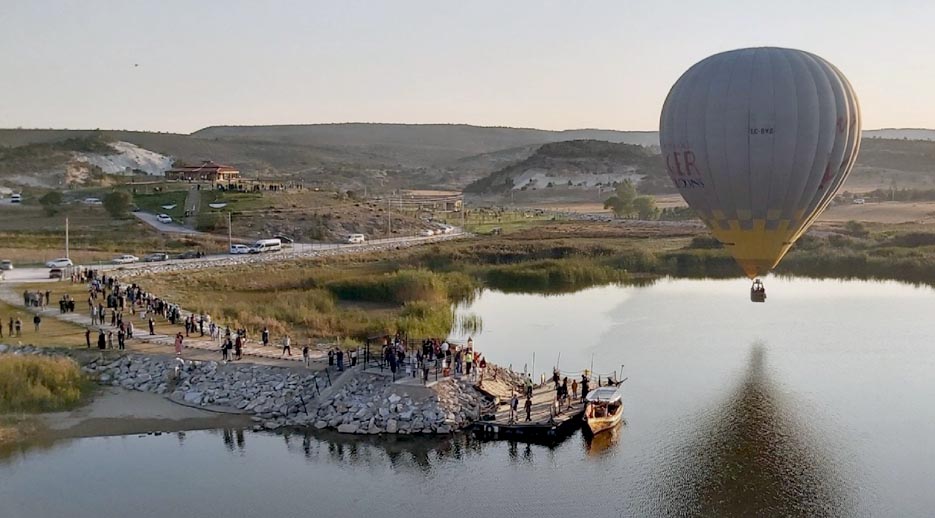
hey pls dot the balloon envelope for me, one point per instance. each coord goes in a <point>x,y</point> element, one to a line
<point>758,141</point>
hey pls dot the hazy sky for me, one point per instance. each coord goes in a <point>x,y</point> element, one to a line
<point>554,65</point>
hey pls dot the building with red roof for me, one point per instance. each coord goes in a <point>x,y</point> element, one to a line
<point>208,171</point>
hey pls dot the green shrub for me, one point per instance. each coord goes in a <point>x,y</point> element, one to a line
<point>40,384</point>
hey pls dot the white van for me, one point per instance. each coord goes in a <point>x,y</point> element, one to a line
<point>356,239</point>
<point>266,245</point>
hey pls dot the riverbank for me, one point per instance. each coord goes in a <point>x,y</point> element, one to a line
<point>146,394</point>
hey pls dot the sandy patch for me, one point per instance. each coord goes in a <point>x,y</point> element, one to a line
<point>118,412</point>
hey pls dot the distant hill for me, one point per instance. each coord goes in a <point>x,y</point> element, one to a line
<point>418,145</point>
<point>354,155</point>
<point>576,164</point>
<point>901,133</point>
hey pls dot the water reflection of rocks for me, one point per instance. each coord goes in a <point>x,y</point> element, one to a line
<point>752,458</point>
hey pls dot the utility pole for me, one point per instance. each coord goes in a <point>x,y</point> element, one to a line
<point>230,240</point>
<point>66,239</point>
<point>389,218</point>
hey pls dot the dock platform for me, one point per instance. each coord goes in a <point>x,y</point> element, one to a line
<point>544,424</point>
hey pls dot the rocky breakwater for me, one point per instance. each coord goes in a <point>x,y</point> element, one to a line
<point>370,404</point>
<point>275,396</point>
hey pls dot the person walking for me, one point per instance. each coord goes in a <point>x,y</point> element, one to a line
<point>584,386</point>
<point>101,340</point>
<point>265,336</point>
<point>340,359</point>
<point>121,339</point>
<point>514,407</point>
<point>152,326</point>
<point>129,329</point>
<point>110,339</point>
<point>330,357</point>
<point>19,327</point>
<point>178,343</point>
<point>528,406</point>
<point>354,357</point>
<point>238,346</point>
<point>305,356</point>
<point>10,328</point>
<point>87,337</point>
<point>36,320</point>
<point>574,389</point>
<point>286,346</point>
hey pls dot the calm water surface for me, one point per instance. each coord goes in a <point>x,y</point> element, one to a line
<point>817,403</point>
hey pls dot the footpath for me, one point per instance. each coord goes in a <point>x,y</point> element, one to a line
<point>162,343</point>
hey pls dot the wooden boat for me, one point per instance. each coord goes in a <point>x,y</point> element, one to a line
<point>603,409</point>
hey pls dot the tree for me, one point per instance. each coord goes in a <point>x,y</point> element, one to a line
<point>621,203</point>
<point>117,203</point>
<point>616,206</point>
<point>645,206</point>
<point>51,202</point>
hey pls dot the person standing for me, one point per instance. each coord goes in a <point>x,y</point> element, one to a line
<point>305,356</point>
<point>286,346</point>
<point>19,327</point>
<point>354,357</point>
<point>93,315</point>
<point>152,326</point>
<point>584,386</point>
<point>528,406</point>
<point>468,361</point>
<point>574,389</point>
<point>101,340</point>
<point>10,334</point>
<point>87,337</point>
<point>238,346</point>
<point>330,357</point>
<point>129,329</point>
<point>36,320</point>
<point>265,336</point>
<point>121,339</point>
<point>178,343</point>
<point>110,339</point>
<point>340,358</point>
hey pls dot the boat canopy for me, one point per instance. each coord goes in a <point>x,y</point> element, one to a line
<point>603,395</point>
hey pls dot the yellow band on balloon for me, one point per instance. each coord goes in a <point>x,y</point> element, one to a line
<point>756,250</point>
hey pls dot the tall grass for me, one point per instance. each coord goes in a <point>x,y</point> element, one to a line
<point>40,384</point>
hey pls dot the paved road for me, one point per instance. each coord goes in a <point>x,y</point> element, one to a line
<point>298,251</point>
<point>169,228</point>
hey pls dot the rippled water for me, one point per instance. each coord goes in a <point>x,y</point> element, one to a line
<point>817,403</point>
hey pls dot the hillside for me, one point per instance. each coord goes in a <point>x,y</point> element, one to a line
<point>379,156</point>
<point>575,164</point>
<point>418,145</point>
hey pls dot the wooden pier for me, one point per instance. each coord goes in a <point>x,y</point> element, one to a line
<point>544,425</point>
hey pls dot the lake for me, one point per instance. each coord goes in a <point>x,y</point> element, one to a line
<point>816,403</point>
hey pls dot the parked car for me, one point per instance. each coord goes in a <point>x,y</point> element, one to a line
<point>427,232</point>
<point>92,201</point>
<point>125,259</point>
<point>16,198</point>
<point>356,238</point>
<point>191,254</point>
<point>55,273</point>
<point>240,249</point>
<point>156,257</point>
<point>61,262</point>
<point>164,218</point>
<point>6,265</point>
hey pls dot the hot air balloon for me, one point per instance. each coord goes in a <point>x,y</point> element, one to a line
<point>758,141</point>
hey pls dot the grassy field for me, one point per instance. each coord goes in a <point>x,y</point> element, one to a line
<point>52,332</point>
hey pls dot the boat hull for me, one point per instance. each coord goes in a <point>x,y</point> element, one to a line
<point>599,424</point>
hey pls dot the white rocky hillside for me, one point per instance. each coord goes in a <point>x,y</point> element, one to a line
<point>127,159</point>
